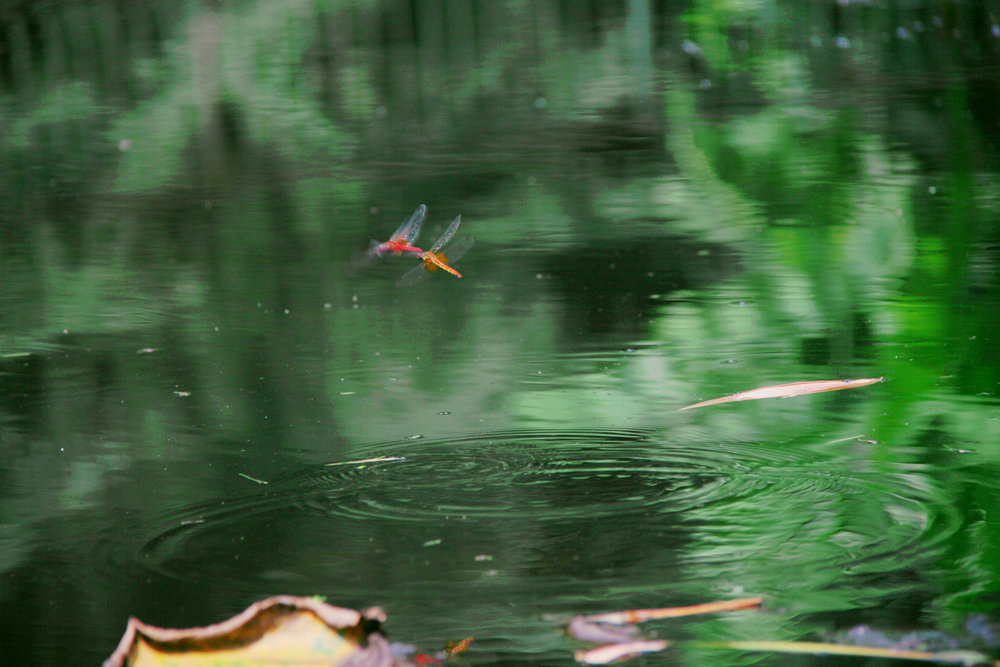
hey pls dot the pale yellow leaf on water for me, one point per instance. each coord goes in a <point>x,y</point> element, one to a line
<point>283,630</point>
<point>302,639</point>
<point>602,655</point>
<point>819,648</point>
<point>640,615</point>
<point>788,391</point>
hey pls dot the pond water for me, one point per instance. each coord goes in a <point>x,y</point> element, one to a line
<point>210,394</point>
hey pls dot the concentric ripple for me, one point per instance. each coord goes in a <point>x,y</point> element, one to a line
<point>537,476</point>
<point>728,499</point>
<point>494,477</point>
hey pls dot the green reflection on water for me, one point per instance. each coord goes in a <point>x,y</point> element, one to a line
<point>657,222</point>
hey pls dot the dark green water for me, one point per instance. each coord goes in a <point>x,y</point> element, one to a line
<point>669,203</point>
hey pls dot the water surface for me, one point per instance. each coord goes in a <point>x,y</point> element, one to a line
<point>208,394</point>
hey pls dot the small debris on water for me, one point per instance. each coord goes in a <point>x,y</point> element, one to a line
<point>252,479</point>
<point>377,459</point>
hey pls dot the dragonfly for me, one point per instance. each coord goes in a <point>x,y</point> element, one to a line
<point>402,239</point>
<point>434,259</point>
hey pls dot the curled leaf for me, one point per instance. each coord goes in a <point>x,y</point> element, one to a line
<point>286,630</point>
<point>788,391</point>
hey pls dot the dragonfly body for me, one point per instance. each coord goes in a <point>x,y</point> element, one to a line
<point>435,259</point>
<point>402,239</point>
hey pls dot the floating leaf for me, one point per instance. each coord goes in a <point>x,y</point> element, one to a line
<point>603,655</point>
<point>640,615</point>
<point>454,648</point>
<point>788,390</point>
<point>600,633</point>
<point>621,639</point>
<point>285,630</point>
<point>616,628</point>
<point>819,648</point>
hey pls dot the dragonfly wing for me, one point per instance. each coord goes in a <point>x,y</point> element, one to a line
<point>410,230</point>
<point>448,233</point>
<point>413,276</point>
<point>457,249</point>
<point>358,262</point>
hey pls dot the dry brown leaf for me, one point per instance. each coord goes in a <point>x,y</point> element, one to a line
<point>454,648</point>
<point>788,391</point>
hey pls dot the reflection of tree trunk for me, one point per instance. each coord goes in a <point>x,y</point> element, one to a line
<point>639,40</point>
<point>204,42</point>
<point>330,44</point>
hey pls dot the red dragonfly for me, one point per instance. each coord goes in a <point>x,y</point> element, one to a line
<point>434,259</point>
<point>402,239</point>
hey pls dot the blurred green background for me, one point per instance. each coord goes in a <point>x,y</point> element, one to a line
<point>671,201</point>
